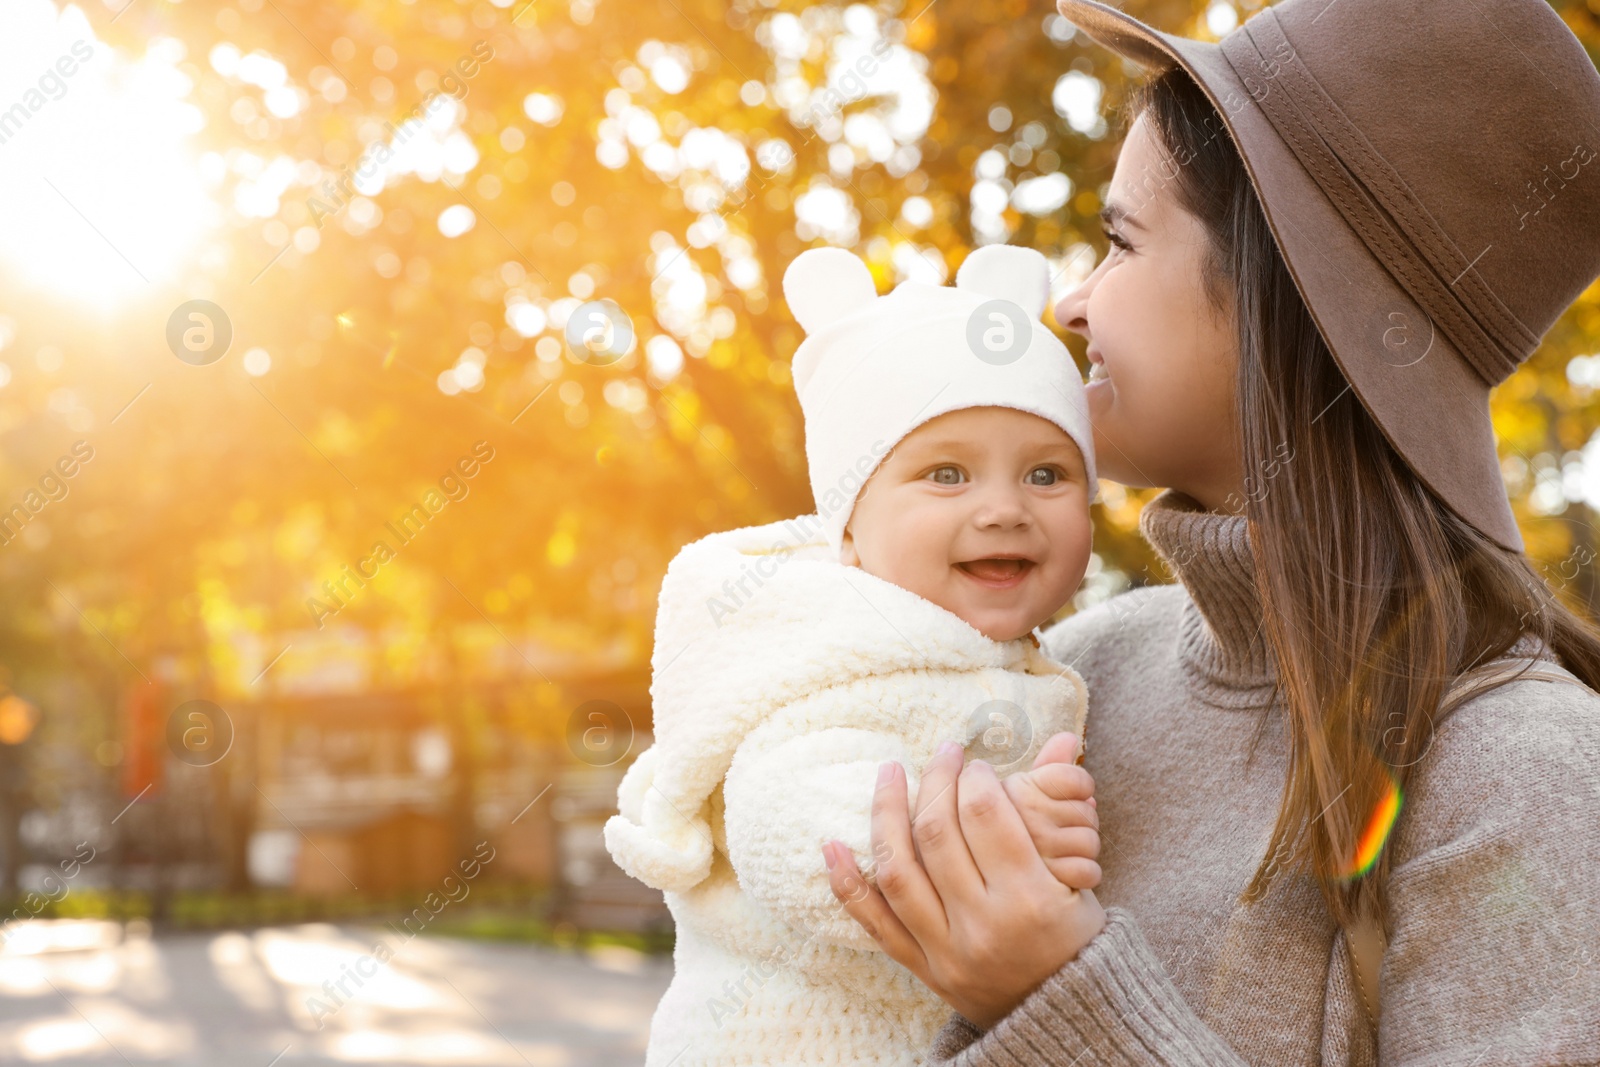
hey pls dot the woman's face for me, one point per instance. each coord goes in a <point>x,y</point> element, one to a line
<point>1163,358</point>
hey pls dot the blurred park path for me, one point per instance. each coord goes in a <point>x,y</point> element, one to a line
<point>86,992</point>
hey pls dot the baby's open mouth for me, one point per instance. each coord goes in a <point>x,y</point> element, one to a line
<point>996,570</point>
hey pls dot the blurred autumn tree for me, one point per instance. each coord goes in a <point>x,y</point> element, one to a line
<point>670,156</point>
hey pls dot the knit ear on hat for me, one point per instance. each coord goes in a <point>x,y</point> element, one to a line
<point>823,285</point>
<point>1007,272</point>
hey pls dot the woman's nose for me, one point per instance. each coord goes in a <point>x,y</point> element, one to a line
<point>1072,310</point>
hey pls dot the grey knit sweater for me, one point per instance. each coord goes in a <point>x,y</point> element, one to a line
<point>1494,950</point>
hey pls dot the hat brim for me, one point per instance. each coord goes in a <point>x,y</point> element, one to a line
<point>1429,402</point>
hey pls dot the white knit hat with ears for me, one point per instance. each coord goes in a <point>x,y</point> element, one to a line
<point>872,369</point>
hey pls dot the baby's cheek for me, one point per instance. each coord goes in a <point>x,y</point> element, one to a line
<point>915,567</point>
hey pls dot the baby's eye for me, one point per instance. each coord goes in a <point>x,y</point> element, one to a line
<point>1043,476</point>
<point>947,475</point>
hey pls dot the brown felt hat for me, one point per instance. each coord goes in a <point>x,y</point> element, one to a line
<point>1431,172</point>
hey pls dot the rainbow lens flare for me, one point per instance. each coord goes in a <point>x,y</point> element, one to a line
<point>1376,833</point>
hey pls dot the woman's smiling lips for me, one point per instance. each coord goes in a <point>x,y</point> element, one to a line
<point>997,572</point>
<point>1097,368</point>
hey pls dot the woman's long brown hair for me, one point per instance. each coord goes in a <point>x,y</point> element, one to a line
<point>1382,609</point>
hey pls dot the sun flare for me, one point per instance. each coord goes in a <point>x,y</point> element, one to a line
<point>104,200</point>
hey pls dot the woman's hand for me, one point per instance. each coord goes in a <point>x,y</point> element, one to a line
<point>964,900</point>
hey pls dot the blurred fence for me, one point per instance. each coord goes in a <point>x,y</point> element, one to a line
<point>332,805</point>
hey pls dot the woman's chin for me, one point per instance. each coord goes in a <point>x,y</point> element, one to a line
<point>1098,395</point>
<point>1116,451</point>
<point>1100,399</point>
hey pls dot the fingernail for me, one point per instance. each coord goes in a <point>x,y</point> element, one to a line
<point>947,747</point>
<point>885,772</point>
<point>827,855</point>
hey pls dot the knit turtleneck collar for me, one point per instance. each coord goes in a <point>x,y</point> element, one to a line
<point>1220,641</point>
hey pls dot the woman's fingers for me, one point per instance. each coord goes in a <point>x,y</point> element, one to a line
<point>936,830</point>
<point>866,906</point>
<point>938,779</point>
<point>991,824</point>
<point>900,876</point>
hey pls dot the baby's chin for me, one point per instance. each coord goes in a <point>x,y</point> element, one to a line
<point>999,618</point>
<point>999,626</point>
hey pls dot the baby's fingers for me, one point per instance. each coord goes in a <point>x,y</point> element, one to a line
<point>1061,842</point>
<point>1062,781</point>
<point>1039,807</point>
<point>1071,812</point>
<point>1075,872</point>
<point>1060,748</point>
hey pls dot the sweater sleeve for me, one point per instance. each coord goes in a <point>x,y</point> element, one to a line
<point>783,802</point>
<point>1114,1004</point>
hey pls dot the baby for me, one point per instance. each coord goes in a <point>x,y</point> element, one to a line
<point>952,467</point>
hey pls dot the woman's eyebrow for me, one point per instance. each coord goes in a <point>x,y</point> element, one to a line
<point>1112,214</point>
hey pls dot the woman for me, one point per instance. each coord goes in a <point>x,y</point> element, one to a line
<point>1348,769</point>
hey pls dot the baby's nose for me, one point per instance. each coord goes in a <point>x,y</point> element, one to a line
<point>1002,508</point>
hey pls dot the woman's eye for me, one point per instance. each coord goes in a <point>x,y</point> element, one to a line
<point>1043,476</point>
<point>946,475</point>
<point>1116,240</point>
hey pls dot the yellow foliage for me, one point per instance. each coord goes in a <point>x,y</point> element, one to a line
<point>399,337</point>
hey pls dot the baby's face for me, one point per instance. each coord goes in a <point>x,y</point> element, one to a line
<point>985,512</point>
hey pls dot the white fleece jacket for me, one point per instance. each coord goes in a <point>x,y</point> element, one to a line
<point>781,679</point>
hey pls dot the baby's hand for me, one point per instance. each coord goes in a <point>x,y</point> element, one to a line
<point>1056,800</point>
